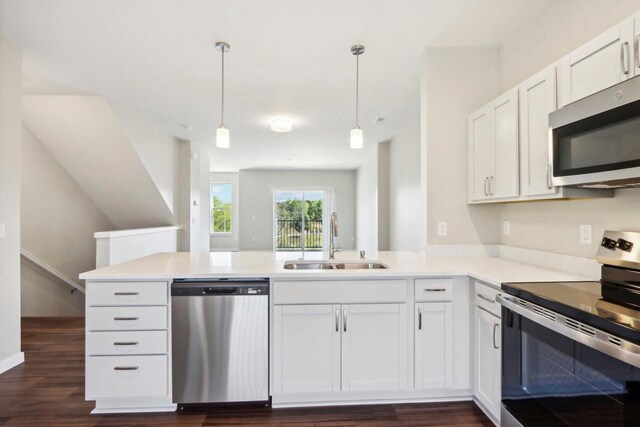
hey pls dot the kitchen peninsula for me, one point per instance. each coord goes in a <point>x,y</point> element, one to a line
<point>412,332</point>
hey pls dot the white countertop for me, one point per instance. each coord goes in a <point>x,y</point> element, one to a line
<point>167,266</point>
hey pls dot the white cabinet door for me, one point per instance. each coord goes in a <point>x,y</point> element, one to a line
<point>597,65</point>
<point>433,345</point>
<point>374,347</point>
<point>504,180</point>
<point>537,100</point>
<point>306,351</point>
<point>487,361</point>
<point>480,153</point>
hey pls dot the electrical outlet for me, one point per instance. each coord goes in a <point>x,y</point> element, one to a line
<point>442,229</point>
<point>506,228</point>
<point>2,231</point>
<point>585,234</point>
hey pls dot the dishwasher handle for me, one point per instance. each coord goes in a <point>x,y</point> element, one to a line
<point>219,291</point>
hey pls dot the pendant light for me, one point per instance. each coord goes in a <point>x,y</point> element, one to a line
<point>222,133</point>
<point>357,138</point>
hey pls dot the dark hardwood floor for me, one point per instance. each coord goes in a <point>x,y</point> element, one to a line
<point>48,390</point>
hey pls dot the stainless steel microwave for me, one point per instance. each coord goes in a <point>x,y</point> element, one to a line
<point>595,141</point>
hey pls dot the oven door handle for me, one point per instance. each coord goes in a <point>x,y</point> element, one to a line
<point>627,352</point>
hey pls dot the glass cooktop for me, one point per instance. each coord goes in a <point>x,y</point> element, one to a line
<point>581,301</point>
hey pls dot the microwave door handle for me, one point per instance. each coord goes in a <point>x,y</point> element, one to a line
<point>549,183</point>
<point>636,49</point>
<point>624,58</point>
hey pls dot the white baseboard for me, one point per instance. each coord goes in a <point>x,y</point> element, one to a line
<point>11,362</point>
<point>462,250</point>
<point>587,267</point>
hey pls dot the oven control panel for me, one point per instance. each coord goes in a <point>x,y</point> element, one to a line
<point>620,248</point>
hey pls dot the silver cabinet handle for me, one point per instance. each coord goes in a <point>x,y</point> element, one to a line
<point>486,298</point>
<point>126,343</point>
<point>624,57</point>
<point>125,293</point>
<point>486,192</point>
<point>126,368</point>
<point>337,320</point>
<point>491,186</point>
<point>495,327</point>
<point>434,290</point>
<point>126,318</point>
<point>419,318</point>
<point>344,319</point>
<point>549,181</point>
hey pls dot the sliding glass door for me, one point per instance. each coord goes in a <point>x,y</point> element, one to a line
<point>298,220</point>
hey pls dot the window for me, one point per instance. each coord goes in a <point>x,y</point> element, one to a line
<point>298,220</point>
<point>221,199</point>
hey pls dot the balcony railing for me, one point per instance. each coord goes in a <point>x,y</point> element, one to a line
<point>290,236</point>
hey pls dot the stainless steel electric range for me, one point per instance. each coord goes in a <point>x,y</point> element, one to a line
<point>571,350</point>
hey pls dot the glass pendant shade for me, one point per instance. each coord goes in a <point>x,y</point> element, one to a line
<point>357,138</point>
<point>222,137</point>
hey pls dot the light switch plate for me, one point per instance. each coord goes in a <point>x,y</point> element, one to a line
<point>506,228</point>
<point>585,234</point>
<point>2,231</point>
<point>442,229</point>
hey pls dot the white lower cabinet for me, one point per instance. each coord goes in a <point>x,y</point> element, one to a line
<point>306,348</point>
<point>128,362</point>
<point>487,361</point>
<point>374,347</point>
<point>339,347</point>
<point>433,345</point>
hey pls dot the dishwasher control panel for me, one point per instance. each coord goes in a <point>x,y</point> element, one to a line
<point>185,287</point>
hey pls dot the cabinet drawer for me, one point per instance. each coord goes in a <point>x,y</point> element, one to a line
<point>126,376</point>
<point>427,290</point>
<point>127,293</point>
<point>340,292</point>
<point>123,318</point>
<point>485,297</point>
<point>126,342</point>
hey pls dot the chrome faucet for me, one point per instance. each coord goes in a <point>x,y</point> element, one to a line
<point>333,233</point>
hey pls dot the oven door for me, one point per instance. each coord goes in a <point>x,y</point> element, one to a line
<point>550,379</point>
<point>595,142</point>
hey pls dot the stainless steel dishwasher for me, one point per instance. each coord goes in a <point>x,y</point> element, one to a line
<point>220,340</point>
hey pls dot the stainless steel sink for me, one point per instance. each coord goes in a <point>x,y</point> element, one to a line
<point>373,265</point>
<point>334,265</point>
<point>308,265</point>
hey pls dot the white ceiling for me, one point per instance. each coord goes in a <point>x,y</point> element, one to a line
<point>288,58</point>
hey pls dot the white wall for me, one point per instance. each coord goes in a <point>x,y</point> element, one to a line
<point>87,138</point>
<point>157,150</point>
<point>367,204</point>
<point>10,136</point>
<point>222,242</point>
<point>256,202</point>
<point>58,222</point>
<point>384,199</point>
<point>406,214</point>
<point>554,226</point>
<point>118,246</point>
<point>450,90</point>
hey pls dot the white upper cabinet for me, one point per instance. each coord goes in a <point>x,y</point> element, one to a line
<point>481,153</point>
<point>504,181</point>
<point>601,63</point>
<point>537,100</point>
<point>492,150</point>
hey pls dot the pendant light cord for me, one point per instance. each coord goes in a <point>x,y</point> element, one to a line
<point>222,106</point>
<point>357,87</point>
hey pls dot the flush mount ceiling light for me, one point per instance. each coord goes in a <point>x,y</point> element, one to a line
<point>281,125</point>
<point>222,133</point>
<point>357,138</point>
